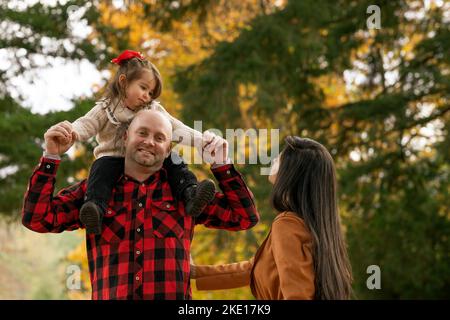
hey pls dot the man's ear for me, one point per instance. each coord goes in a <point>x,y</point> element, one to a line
<point>169,149</point>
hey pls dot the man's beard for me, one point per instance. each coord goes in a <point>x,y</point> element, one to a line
<point>149,161</point>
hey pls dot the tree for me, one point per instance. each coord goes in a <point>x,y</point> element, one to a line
<point>393,177</point>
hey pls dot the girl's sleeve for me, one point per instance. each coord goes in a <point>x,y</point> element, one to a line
<point>224,276</point>
<point>293,258</point>
<point>91,123</point>
<point>189,136</point>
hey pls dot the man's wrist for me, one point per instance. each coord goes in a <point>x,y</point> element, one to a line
<point>51,156</point>
<point>217,165</point>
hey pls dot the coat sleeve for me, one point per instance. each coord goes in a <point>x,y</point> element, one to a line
<point>91,123</point>
<point>189,136</point>
<point>293,258</point>
<point>223,276</point>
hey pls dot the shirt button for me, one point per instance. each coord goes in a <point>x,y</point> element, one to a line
<point>138,252</point>
<point>47,166</point>
<point>182,180</point>
<point>140,204</point>
<point>137,278</point>
<point>138,229</point>
<point>167,206</point>
<point>228,172</point>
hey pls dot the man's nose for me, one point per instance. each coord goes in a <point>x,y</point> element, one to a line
<point>149,140</point>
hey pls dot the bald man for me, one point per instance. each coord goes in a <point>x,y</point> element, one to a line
<point>144,248</point>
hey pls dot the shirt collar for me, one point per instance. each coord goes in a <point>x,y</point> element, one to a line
<point>160,174</point>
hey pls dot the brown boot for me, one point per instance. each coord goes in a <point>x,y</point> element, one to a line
<point>198,197</point>
<point>91,216</point>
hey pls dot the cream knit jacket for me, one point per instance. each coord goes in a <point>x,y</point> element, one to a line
<point>103,121</point>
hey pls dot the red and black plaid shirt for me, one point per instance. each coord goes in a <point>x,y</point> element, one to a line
<point>144,249</point>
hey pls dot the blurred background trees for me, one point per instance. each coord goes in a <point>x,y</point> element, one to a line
<point>376,98</point>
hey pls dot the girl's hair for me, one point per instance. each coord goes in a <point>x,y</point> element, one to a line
<point>306,185</point>
<point>132,69</point>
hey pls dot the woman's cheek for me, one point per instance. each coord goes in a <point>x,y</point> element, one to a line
<point>274,171</point>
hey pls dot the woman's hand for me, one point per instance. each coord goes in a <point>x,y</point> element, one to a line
<point>193,271</point>
<point>193,268</point>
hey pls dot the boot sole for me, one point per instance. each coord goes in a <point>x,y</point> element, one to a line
<point>90,217</point>
<point>204,195</point>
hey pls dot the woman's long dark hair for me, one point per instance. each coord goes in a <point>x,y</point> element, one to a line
<point>306,185</point>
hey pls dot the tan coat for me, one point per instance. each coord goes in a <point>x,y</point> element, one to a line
<point>103,121</point>
<point>281,269</point>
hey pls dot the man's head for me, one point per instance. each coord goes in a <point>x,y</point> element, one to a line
<point>148,140</point>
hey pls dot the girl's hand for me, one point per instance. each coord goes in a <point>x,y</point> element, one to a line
<point>59,138</point>
<point>215,149</point>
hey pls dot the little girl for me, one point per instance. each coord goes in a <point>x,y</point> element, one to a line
<point>135,86</point>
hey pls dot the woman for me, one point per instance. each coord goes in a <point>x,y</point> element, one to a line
<point>304,256</point>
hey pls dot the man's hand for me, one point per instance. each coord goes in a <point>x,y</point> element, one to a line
<point>59,138</point>
<point>215,149</point>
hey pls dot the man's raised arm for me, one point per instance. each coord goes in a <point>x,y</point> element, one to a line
<point>43,212</point>
<point>234,209</point>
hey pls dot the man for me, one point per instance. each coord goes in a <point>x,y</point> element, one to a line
<point>143,251</point>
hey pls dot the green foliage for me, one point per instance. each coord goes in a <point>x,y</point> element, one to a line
<point>395,197</point>
<point>22,131</point>
<point>21,148</point>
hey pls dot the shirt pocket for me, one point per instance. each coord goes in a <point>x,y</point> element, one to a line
<point>114,224</point>
<point>167,221</point>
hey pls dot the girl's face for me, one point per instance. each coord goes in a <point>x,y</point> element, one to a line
<point>139,92</point>
<point>274,169</point>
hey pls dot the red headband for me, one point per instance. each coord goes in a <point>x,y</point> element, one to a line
<point>127,54</point>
